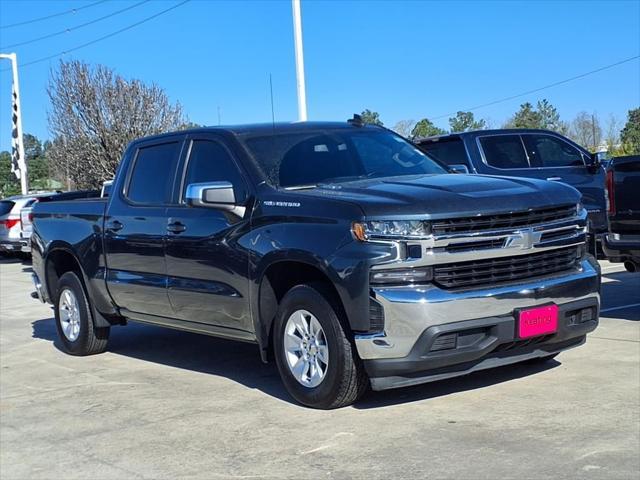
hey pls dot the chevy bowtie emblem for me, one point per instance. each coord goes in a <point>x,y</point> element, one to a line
<point>525,239</point>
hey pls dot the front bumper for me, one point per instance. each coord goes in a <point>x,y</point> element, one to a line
<point>619,248</point>
<point>415,317</point>
<point>21,245</point>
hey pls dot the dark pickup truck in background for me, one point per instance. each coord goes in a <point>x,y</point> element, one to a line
<point>527,153</point>
<point>340,249</point>
<point>622,242</point>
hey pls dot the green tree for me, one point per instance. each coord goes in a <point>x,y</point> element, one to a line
<point>465,121</point>
<point>550,118</point>
<point>372,118</point>
<point>630,133</point>
<point>526,117</point>
<point>9,184</point>
<point>426,128</point>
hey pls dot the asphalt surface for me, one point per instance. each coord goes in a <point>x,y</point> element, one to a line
<point>167,404</point>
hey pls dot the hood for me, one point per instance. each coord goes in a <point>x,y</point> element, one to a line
<point>440,196</point>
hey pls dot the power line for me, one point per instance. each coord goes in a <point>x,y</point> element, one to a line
<point>39,19</point>
<point>555,84</point>
<point>104,37</point>
<point>71,29</point>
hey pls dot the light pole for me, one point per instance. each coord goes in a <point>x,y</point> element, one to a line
<point>297,36</point>
<point>18,161</point>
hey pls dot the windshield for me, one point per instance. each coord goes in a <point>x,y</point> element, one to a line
<point>336,155</point>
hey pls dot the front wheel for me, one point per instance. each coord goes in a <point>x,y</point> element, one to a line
<point>317,362</point>
<point>74,321</point>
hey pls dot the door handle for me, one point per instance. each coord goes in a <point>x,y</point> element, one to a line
<point>176,227</point>
<point>554,179</point>
<point>114,226</point>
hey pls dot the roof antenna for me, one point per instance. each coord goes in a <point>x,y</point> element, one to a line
<point>356,121</point>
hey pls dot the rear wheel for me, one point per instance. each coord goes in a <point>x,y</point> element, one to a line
<point>317,362</point>
<point>74,321</point>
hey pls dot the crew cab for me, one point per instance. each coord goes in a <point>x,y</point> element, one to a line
<point>345,253</point>
<point>528,153</point>
<point>622,242</point>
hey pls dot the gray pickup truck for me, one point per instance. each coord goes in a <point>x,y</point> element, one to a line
<point>341,250</point>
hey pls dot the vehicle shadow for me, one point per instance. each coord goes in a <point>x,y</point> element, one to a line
<point>241,363</point>
<point>200,353</point>
<point>441,388</point>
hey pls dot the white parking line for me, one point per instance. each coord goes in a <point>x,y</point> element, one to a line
<point>621,307</point>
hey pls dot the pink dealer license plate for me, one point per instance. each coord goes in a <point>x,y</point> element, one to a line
<point>537,321</point>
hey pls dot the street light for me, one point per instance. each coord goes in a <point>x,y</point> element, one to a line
<point>297,36</point>
<point>18,161</point>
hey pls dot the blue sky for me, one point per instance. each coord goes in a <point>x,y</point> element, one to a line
<point>407,60</point>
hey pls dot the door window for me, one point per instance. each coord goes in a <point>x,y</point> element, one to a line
<point>504,151</point>
<point>153,173</point>
<point>210,161</point>
<point>548,151</point>
<point>449,152</point>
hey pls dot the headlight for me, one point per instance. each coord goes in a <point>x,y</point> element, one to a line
<point>391,229</point>
<point>580,206</point>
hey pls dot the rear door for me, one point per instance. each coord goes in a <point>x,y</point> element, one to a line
<point>207,266</point>
<point>136,226</point>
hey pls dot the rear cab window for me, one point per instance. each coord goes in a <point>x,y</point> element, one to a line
<point>504,151</point>
<point>153,173</point>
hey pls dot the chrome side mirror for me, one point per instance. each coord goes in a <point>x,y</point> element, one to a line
<point>459,168</point>
<point>218,195</point>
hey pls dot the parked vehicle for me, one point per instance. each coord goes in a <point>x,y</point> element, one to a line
<point>622,242</point>
<point>11,240</point>
<point>26,213</point>
<point>527,153</point>
<point>340,249</point>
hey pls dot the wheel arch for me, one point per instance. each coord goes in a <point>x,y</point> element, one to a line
<point>60,259</point>
<point>276,278</point>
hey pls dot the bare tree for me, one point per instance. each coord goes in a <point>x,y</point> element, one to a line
<point>586,130</point>
<point>404,127</point>
<point>612,135</point>
<point>95,113</point>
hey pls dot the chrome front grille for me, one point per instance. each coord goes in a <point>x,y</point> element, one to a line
<point>496,271</point>
<point>496,249</point>
<point>504,220</point>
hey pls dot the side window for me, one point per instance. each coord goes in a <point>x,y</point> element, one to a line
<point>548,151</point>
<point>504,151</point>
<point>153,173</point>
<point>449,152</point>
<point>210,161</point>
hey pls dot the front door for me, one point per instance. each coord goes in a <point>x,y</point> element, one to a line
<point>206,265</point>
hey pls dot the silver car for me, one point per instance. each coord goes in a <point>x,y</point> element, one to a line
<point>11,238</point>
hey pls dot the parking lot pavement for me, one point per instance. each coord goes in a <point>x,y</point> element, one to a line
<point>168,404</point>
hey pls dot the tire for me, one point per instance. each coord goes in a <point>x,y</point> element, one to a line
<point>344,380</point>
<point>74,321</point>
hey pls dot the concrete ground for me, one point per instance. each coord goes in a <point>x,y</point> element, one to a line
<point>167,404</point>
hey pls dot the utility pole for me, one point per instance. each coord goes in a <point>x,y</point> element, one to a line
<point>18,161</point>
<point>297,36</point>
<point>593,131</point>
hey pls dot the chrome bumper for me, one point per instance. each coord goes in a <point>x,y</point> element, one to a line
<point>409,311</point>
